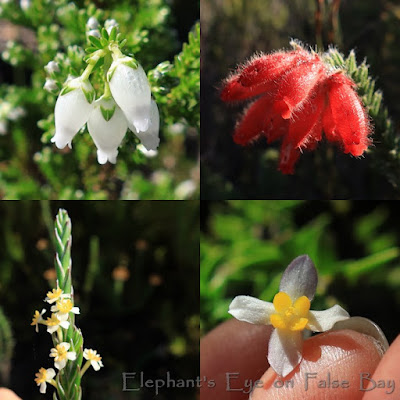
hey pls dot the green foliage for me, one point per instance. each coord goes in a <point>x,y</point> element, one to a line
<point>247,244</point>
<point>31,166</point>
<point>386,155</point>
<point>7,344</point>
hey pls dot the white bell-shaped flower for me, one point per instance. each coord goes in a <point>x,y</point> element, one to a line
<point>131,91</point>
<point>73,107</point>
<point>107,125</point>
<point>150,139</point>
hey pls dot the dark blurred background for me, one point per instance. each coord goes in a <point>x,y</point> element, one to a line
<point>232,31</point>
<point>136,279</point>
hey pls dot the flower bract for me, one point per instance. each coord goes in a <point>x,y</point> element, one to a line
<point>289,314</point>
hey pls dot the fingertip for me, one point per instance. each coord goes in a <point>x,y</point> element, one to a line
<point>331,367</point>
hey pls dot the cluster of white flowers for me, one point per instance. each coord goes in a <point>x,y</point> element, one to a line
<point>61,308</point>
<point>126,103</point>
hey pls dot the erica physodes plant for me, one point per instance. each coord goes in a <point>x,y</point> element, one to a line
<point>298,96</point>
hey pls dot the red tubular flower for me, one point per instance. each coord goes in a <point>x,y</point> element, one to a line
<point>299,98</point>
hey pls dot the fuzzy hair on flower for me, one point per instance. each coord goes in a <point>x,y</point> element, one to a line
<point>289,314</point>
<point>298,96</point>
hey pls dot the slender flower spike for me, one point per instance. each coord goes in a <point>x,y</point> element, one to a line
<point>62,355</point>
<point>73,107</point>
<point>93,358</point>
<point>37,319</point>
<point>107,125</point>
<point>131,91</point>
<point>62,309</point>
<point>53,323</point>
<point>289,314</point>
<point>45,376</point>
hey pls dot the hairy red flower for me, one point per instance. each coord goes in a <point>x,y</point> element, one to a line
<point>297,98</point>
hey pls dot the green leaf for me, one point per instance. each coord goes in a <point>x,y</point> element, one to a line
<point>66,89</point>
<point>113,33</point>
<point>96,42</point>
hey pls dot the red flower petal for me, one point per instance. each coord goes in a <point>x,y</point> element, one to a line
<point>261,75</point>
<point>296,85</point>
<point>350,119</point>
<point>255,119</point>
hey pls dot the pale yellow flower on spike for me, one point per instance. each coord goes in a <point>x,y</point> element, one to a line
<point>45,376</point>
<point>93,359</point>
<point>63,307</point>
<point>54,323</point>
<point>37,319</point>
<point>62,355</point>
<point>55,295</point>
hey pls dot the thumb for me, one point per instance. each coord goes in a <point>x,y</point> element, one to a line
<point>7,394</point>
<point>332,367</point>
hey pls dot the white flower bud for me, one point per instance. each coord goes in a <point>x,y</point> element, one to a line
<point>52,66</point>
<point>109,24</point>
<point>185,189</point>
<point>94,32</point>
<point>150,139</point>
<point>73,107</point>
<point>107,125</point>
<point>25,4</point>
<point>50,85</point>
<point>131,91</point>
<point>92,23</point>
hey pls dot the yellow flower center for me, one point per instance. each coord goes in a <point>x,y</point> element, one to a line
<point>41,376</point>
<point>64,306</point>
<point>92,356</point>
<point>290,316</point>
<point>61,352</point>
<point>54,294</point>
<point>53,321</point>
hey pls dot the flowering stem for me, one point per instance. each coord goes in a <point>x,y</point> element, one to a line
<point>85,368</point>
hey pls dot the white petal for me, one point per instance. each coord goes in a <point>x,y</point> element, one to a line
<point>65,345</point>
<point>151,138</point>
<point>71,113</point>
<point>51,373</point>
<point>71,355</point>
<point>300,278</point>
<point>60,364</point>
<point>284,351</point>
<point>75,310</point>
<point>107,135</point>
<point>321,321</point>
<point>52,329</point>
<point>252,310</point>
<point>64,324</point>
<point>43,387</point>
<point>131,91</point>
<point>95,365</point>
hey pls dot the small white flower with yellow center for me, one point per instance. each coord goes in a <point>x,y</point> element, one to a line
<point>62,355</point>
<point>93,359</point>
<point>45,376</point>
<point>55,295</point>
<point>37,319</point>
<point>63,307</point>
<point>289,314</point>
<point>54,323</point>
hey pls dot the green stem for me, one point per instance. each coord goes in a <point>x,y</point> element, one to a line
<point>85,368</point>
<point>88,70</point>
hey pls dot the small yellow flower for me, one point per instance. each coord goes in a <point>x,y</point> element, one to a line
<point>93,358</point>
<point>37,319</point>
<point>62,355</point>
<point>45,376</point>
<point>54,295</point>
<point>63,307</point>
<point>53,323</point>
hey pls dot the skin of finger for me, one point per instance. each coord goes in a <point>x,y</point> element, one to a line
<point>7,394</point>
<point>331,368</point>
<point>232,353</point>
<point>387,373</point>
